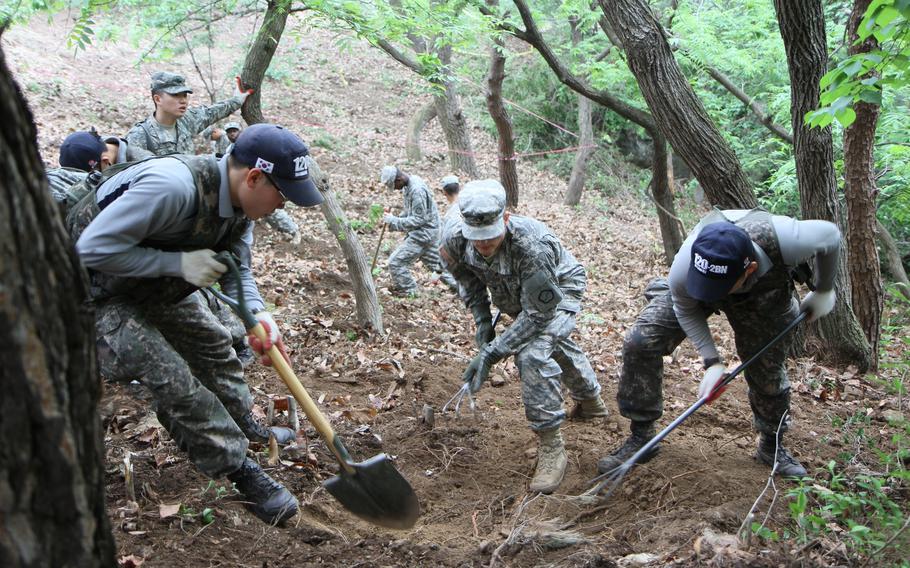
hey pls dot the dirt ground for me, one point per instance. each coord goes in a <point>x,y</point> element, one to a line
<point>470,473</point>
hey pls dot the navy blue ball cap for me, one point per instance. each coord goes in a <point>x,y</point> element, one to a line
<point>283,156</point>
<point>82,150</point>
<point>720,255</point>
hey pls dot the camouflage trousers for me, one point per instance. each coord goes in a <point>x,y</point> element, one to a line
<point>547,362</point>
<point>407,253</point>
<point>227,318</point>
<point>281,221</point>
<point>183,355</point>
<point>755,319</point>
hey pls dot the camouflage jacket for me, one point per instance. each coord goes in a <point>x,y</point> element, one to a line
<point>420,217</point>
<point>529,253</point>
<point>149,138</point>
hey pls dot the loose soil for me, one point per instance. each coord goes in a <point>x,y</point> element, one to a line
<point>470,472</point>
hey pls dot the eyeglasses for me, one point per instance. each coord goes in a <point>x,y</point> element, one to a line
<point>275,185</point>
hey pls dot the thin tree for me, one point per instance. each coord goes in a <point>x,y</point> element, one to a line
<point>586,146</point>
<point>508,173</point>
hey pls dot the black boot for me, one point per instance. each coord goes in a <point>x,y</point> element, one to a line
<point>256,432</point>
<point>265,497</point>
<point>787,465</point>
<point>642,432</point>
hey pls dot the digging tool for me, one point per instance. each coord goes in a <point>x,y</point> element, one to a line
<point>378,244</point>
<point>465,390</point>
<point>614,477</point>
<point>373,489</point>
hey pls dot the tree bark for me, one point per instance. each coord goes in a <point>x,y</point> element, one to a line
<point>52,510</point>
<point>454,124</point>
<point>891,256</point>
<point>671,229</point>
<point>860,192</point>
<point>259,57</point>
<point>421,118</point>
<point>585,139</point>
<point>677,110</point>
<point>508,173</point>
<point>369,312</point>
<point>837,336</point>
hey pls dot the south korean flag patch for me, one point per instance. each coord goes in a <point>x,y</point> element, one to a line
<point>264,165</point>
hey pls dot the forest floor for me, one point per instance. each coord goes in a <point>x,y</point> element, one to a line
<point>470,473</point>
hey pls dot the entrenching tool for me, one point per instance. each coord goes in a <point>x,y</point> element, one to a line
<point>615,476</point>
<point>373,489</point>
<point>378,244</point>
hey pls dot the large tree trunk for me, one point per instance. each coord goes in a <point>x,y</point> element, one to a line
<point>369,312</point>
<point>802,27</point>
<point>420,119</point>
<point>52,510</point>
<point>585,138</point>
<point>671,229</point>
<point>259,57</point>
<point>508,173</point>
<point>860,191</point>
<point>891,257</point>
<point>454,124</point>
<point>677,110</point>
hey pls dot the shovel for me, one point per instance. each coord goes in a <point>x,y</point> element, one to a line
<point>373,489</point>
<point>615,476</point>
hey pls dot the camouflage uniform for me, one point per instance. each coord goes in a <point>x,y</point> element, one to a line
<point>160,330</point>
<point>281,221</point>
<point>540,340</point>
<point>152,138</point>
<point>420,220</point>
<point>61,180</point>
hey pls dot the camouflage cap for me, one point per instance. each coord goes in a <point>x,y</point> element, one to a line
<point>449,180</point>
<point>170,83</point>
<point>232,126</point>
<point>482,204</point>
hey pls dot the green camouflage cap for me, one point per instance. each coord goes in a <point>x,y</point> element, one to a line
<point>170,83</point>
<point>232,125</point>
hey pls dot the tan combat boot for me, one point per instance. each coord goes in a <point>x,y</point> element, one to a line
<point>551,462</point>
<point>588,409</point>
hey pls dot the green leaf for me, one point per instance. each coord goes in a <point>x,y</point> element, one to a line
<point>846,117</point>
<point>871,96</point>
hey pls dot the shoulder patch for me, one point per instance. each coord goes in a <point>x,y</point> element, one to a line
<point>542,292</point>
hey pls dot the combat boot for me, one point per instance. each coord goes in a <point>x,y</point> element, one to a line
<point>551,462</point>
<point>642,432</point>
<point>256,432</point>
<point>265,497</point>
<point>787,465</point>
<point>588,409</point>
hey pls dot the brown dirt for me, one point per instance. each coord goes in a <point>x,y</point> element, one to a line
<point>471,473</point>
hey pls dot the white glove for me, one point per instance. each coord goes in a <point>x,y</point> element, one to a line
<point>818,304</point>
<point>239,91</point>
<point>200,268</point>
<point>713,376</point>
<point>266,319</point>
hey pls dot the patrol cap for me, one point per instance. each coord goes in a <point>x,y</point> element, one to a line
<point>82,150</point>
<point>449,180</point>
<point>170,83</point>
<point>232,126</point>
<point>282,156</point>
<point>387,176</point>
<point>720,255</point>
<point>482,204</point>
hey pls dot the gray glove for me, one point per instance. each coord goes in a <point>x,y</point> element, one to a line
<point>479,370</point>
<point>483,322</point>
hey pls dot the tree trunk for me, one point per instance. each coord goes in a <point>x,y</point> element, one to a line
<point>891,257</point>
<point>677,110</point>
<point>51,461</point>
<point>860,192</point>
<point>802,27</point>
<point>671,229</point>
<point>420,119</point>
<point>585,138</point>
<point>369,313</point>
<point>508,173</point>
<point>259,57</point>
<point>454,124</point>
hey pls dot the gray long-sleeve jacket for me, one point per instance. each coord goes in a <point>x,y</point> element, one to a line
<point>150,138</point>
<point>799,241</point>
<point>529,252</point>
<point>420,217</point>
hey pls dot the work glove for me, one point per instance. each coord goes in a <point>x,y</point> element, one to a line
<point>713,377</point>
<point>478,370</point>
<point>241,92</point>
<point>484,332</point>
<point>388,219</point>
<point>818,304</point>
<point>199,267</point>
<point>274,338</point>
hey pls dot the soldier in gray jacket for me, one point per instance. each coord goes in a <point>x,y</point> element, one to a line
<point>535,280</point>
<point>741,263</point>
<point>420,220</point>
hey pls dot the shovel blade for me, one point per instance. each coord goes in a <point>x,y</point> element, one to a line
<point>376,493</point>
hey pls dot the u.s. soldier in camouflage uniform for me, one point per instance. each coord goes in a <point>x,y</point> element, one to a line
<point>741,263</point>
<point>419,219</point>
<point>149,234</point>
<point>535,280</point>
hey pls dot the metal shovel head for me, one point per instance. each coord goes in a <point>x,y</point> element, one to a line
<point>377,493</point>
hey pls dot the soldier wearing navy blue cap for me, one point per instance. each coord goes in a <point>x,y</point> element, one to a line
<point>148,235</point>
<point>741,263</point>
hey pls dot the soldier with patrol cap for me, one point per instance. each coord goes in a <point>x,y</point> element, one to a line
<point>450,187</point>
<point>742,263</point>
<point>522,266</point>
<point>170,129</point>
<point>420,221</point>
<point>149,235</point>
